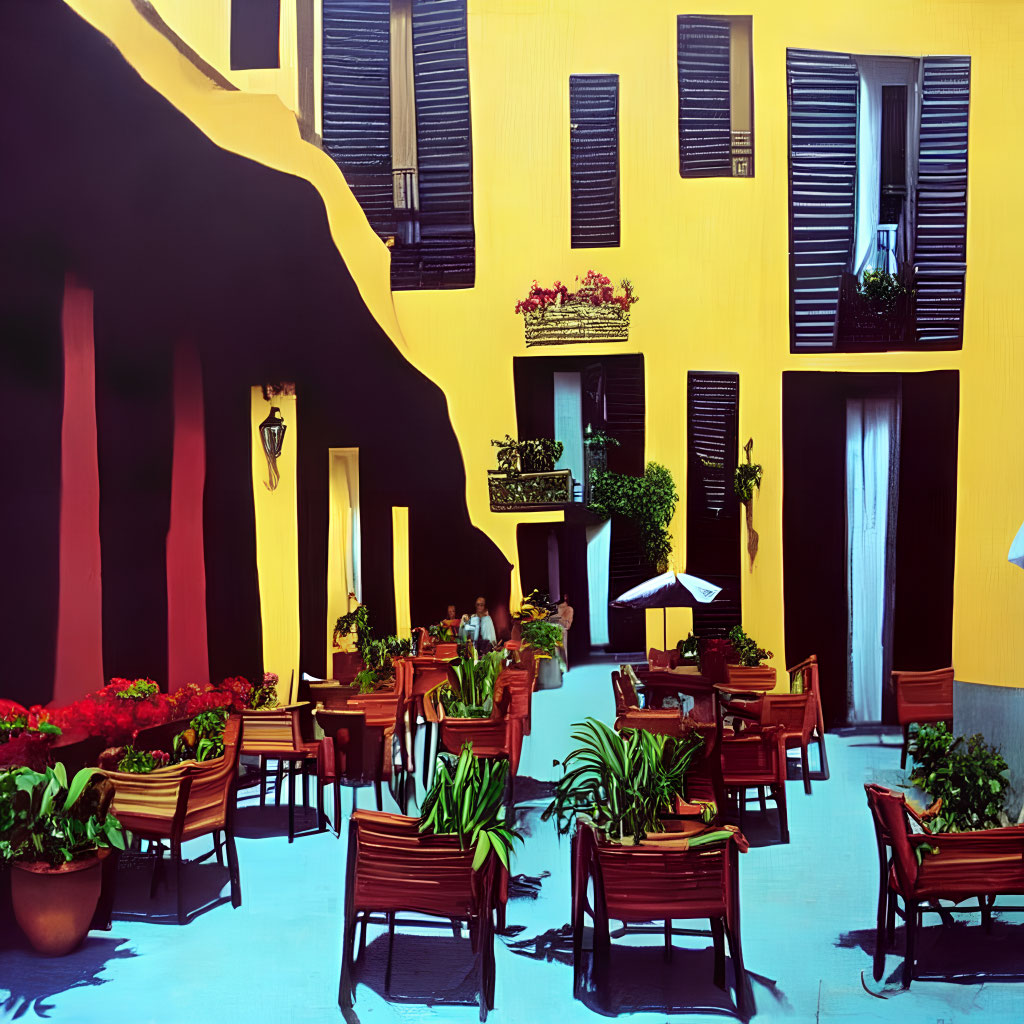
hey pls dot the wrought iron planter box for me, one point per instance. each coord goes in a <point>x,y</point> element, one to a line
<point>576,321</point>
<point>529,490</point>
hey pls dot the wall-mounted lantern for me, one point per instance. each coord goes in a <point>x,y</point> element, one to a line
<point>272,434</point>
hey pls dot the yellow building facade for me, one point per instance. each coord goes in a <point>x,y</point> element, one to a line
<point>708,257</point>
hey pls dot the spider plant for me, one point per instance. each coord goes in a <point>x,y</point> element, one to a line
<point>622,782</point>
<point>466,799</point>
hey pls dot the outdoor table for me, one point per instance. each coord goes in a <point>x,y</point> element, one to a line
<point>686,679</point>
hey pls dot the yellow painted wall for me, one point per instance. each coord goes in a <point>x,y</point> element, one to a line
<point>708,257</point>
<point>277,544</point>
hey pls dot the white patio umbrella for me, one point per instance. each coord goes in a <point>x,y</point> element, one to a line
<point>1016,553</point>
<point>669,590</point>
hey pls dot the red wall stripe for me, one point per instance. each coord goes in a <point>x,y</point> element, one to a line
<point>187,657</point>
<point>79,663</point>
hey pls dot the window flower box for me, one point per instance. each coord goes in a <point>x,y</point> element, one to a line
<point>594,312</point>
<point>529,490</point>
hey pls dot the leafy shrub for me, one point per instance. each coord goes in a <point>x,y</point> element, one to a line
<point>203,740</point>
<point>142,762</point>
<point>967,775</point>
<point>750,654</point>
<point>531,455</point>
<point>473,694</point>
<point>880,288</point>
<point>648,500</point>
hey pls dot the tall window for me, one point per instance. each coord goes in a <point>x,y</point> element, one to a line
<point>878,200</point>
<point>712,511</point>
<point>255,34</point>
<point>396,120</point>
<point>594,160</point>
<point>716,97</point>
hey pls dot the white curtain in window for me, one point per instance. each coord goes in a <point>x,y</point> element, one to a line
<point>874,73</point>
<point>599,546</point>
<point>569,423</point>
<point>871,434</point>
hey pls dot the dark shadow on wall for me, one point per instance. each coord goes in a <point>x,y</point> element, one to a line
<point>181,239</point>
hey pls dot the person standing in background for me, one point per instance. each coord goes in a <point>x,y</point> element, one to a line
<point>563,617</point>
<point>478,628</point>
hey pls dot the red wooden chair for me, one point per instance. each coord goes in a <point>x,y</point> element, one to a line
<point>662,661</point>
<point>922,697</point>
<point>757,760</point>
<point>659,879</point>
<point>284,735</point>
<point>183,802</point>
<point>794,713</point>
<point>393,867</point>
<point>348,755</point>
<point>750,678</point>
<point>983,864</point>
<point>807,674</point>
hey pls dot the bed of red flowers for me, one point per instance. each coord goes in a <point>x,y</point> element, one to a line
<point>595,289</point>
<point>115,713</point>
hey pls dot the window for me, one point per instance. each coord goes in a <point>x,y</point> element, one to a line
<point>716,97</point>
<point>396,120</point>
<point>594,160</point>
<point>255,34</point>
<point>878,200</point>
<point>712,510</point>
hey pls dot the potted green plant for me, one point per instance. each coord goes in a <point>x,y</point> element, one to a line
<point>467,799</point>
<point>472,696</point>
<point>446,643</point>
<point>54,835</point>
<point>689,650</point>
<point>965,778</point>
<point>625,784</point>
<point>747,650</point>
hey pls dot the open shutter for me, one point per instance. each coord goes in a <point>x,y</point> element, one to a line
<point>823,90</point>
<point>445,255</point>
<point>357,102</point>
<point>704,105</point>
<point>940,250</point>
<point>594,160</point>
<point>712,510</point>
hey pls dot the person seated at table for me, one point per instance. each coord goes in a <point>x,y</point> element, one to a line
<point>478,628</point>
<point>451,620</point>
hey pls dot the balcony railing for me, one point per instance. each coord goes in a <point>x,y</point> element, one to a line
<point>529,491</point>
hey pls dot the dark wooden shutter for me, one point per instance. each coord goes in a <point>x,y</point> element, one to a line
<point>255,34</point>
<point>594,160</point>
<point>357,102</point>
<point>823,90</point>
<point>712,510</point>
<point>705,148</point>
<point>625,410</point>
<point>940,251</point>
<point>445,256</point>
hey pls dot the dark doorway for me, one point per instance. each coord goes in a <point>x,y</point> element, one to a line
<point>919,591</point>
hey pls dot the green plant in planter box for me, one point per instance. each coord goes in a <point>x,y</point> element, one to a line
<point>689,648</point>
<point>749,653</point>
<point>544,638</point>
<point>967,775</point>
<point>623,783</point>
<point>142,762</point>
<point>44,819</point>
<point>474,695</point>
<point>441,634</point>
<point>531,455</point>
<point>203,740</point>
<point>466,799</point>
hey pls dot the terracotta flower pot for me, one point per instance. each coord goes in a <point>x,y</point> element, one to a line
<point>54,906</point>
<point>446,650</point>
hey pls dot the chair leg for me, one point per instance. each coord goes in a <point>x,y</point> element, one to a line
<point>428,728</point>
<point>362,935</point>
<point>890,921</point>
<point>303,769</point>
<point>346,987</point>
<point>278,783</point>
<point>158,864</point>
<point>744,993</point>
<point>903,749</point>
<point>101,919</point>
<point>986,913</point>
<point>805,765</point>
<point>176,857</point>
<point>761,798</point>
<point>779,792</point>
<point>380,794</point>
<point>456,928</point>
<point>232,852</point>
<point>263,780</point>
<point>337,807</point>
<point>911,918</point>
<point>218,848</point>
<point>878,964</point>
<point>718,935</point>
<point>822,756</point>
<point>291,801</point>
<point>668,939</point>
<point>321,814</point>
<point>391,949</point>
